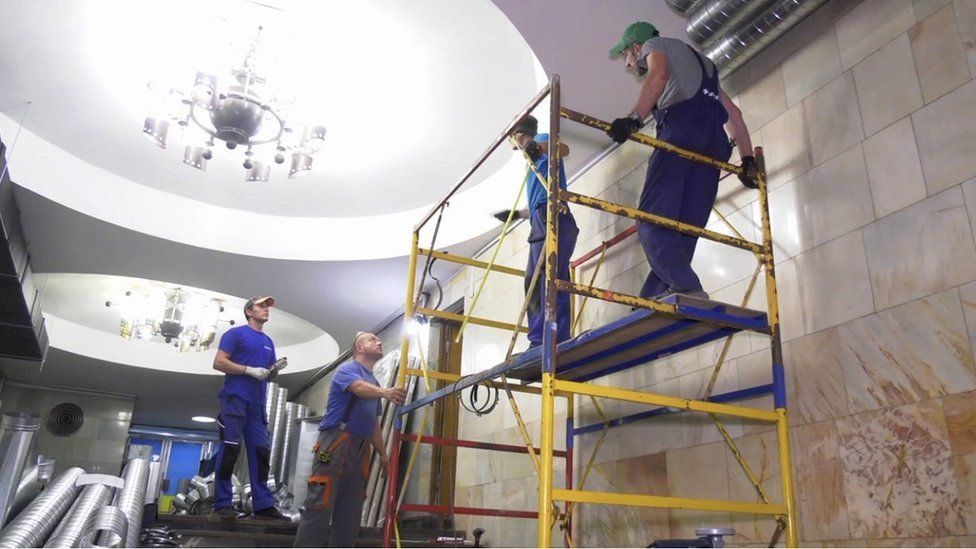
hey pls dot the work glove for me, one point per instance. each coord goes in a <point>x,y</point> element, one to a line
<point>503,215</point>
<point>621,128</point>
<point>749,168</point>
<point>533,150</point>
<point>259,374</point>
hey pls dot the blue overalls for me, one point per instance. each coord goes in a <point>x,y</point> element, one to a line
<point>568,231</point>
<point>242,420</point>
<point>682,189</point>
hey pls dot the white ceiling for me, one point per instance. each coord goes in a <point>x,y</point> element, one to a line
<point>406,115</point>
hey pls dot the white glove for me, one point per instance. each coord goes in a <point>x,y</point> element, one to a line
<point>259,374</point>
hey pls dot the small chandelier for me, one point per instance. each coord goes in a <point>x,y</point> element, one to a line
<point>241,112</point>
<point>186,319</point>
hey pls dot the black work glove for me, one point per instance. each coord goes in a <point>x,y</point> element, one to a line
<point>503,215</point>
<point>621,128</point>
<point>533,150</point>
<point>749,168</point>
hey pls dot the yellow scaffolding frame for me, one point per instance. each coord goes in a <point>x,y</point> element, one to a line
<point>551,387</point>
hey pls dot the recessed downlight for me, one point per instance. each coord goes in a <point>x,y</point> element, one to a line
<point>203,419</point>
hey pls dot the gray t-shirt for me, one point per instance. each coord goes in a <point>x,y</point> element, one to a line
<point>684,72</point>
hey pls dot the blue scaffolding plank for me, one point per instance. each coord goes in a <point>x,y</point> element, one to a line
<point>635,339</point>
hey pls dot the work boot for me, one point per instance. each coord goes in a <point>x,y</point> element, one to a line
<point>225,513</point>
<point>271,513</point>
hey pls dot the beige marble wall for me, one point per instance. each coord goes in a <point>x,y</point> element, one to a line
<point>866,114</point>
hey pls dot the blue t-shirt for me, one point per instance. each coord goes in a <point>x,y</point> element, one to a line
<point>535,189</point>
<point>247,347</point>
<point>362,417</point>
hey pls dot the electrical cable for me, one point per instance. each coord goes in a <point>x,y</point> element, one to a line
<point>476,407</point>
<point>430,258</point>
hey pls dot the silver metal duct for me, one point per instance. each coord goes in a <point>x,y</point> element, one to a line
<point>277,430</point>
<point>734,49</point>
<point>17,437</point>
<point>684,6</point>
<point>108,525</point>
<point>72,526</point>
<point>32,527</point>
<point>288,429</point>
<point>714,18</point>
<point>31,482</point>
<point>130,501</point>
<point>155,482</point>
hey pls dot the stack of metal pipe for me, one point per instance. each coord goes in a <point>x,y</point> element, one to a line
<point>74,525</point>
<point>32,527</point>
<point>17,441</point>
<point>130,501</point>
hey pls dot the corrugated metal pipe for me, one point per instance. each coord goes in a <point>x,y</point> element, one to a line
<point>108,525</point>
<point>68,533</point>
<point>288,428</point>
<point>130,500</point>
<point>277,424</point>
<point>32,527</point>
<point>17,439</point>
<point>735,48</point>
<point>713,18</point>
<point>684,6</point>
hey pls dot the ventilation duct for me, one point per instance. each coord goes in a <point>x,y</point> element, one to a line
<point>734,31</point>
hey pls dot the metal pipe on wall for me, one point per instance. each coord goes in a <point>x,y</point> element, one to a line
<point>713,18</point>
<point>277,429</point>
<point>288,429</point>
<point>72,526</point>
<point>17,438</point>
<point>684,6</point>
<point>131,501</point>
<point>32,527</point>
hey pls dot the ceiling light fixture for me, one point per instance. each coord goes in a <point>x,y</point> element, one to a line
<point>184,318</point>
<point>239,112</point>
<point>203,419</point>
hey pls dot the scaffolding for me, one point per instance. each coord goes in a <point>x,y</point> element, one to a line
<point>655,329</point>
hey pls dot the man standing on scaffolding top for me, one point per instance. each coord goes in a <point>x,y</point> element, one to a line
<point>681,89</point>
<point>536,145</point>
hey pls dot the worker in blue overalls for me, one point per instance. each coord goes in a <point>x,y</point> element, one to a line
<point>681,89</point>
<point>246,355</point>
<point>333,509</point>
<point>536,146</point>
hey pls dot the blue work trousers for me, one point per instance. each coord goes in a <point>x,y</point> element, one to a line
<point>683,190</point>
<point>243,421</point>
<point>568,231</point>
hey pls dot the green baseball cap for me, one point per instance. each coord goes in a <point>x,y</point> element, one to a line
<point>638,33</point>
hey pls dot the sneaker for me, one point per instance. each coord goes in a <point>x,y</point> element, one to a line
<point>225,513</point>
<point>271,513</point>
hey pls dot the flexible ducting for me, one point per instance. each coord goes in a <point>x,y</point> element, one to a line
<point>32,527</point>
<point>17,437</point>
<point>108,525</point>
<point>130,501</point>
<point>288,429</point>
<point>737,47</point>
<point>72,526</point>
<point>713,18</point>
<point>277,430</point>
<point>684,6</point>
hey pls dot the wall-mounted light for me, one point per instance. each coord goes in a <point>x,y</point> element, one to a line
<point>156,130</point>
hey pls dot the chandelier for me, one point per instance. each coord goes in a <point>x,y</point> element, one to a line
<point>240,111</point>
<point>186,319</point>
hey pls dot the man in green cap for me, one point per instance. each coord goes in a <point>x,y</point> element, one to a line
<point>681,89</point>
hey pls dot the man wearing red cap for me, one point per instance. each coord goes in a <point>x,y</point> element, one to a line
<point>246,355</point>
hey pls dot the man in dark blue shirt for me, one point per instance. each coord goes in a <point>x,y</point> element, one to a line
<point>535,145</point>
<point>337,487</point>
<point>246,355</point>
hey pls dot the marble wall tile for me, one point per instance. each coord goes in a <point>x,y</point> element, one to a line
<point>966,20</point>
<point>819,480</point>
<point>887,85</point>
<point>964,467</point>
<point>833,119</point>
<point>719,265</point>
<point>898,474</point>
<point>833,282</point>
<point>915,542</point>
<point>960,412</point>
<point>761,454</point>
<point>788,296</point>
<point>816,375</point>
<point>811,67</point>
<point>754,370</point>
<point>764,100</point>
<point>912,352</point>
<point>832,199</point>
<point>700,429</point>
<point>925,8</point>
<point>946,133</point>
<point>788,154</point>
<point>894,170</point>
<point>697,472</point>
<point>967,293</point>
<point>921,249</point>
<point>871,25</point>
<point>939,57</point>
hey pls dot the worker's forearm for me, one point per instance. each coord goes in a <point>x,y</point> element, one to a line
<point>227,366</point>
<point>737,127</point>
<point>378,443</point>
<point>650,92</point>
<point>367,390</point>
